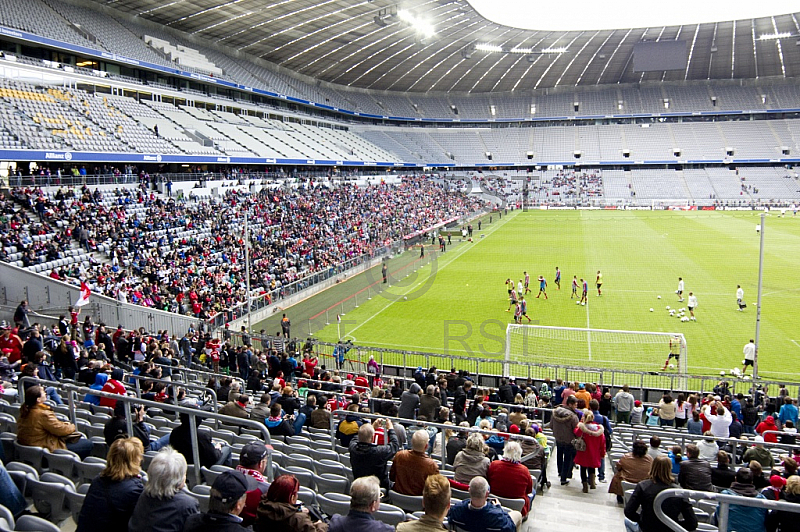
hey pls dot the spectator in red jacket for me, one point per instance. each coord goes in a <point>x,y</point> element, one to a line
<point>590,458</point>
<point>113,385</point>
<point>509,478</point>
<point>768,424</point>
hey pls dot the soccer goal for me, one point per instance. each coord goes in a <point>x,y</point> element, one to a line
<point>602,348</point>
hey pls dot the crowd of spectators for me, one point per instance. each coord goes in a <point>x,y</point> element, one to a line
<point>187,256</point>
<point>290,390</point>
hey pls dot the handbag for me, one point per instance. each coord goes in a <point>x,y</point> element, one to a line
<point>72,438</point>
<point>579,444</point>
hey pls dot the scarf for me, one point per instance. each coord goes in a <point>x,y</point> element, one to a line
<point>251,473</point>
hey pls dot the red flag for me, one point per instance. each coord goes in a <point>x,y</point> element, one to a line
<point>83,299</point>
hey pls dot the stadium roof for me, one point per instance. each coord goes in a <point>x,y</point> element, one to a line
<point>446,45</point>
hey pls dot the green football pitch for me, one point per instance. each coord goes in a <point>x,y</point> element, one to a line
<point>457,303</point>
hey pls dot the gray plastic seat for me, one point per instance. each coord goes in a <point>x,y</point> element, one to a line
<point>330,483</point>
<point>390,514</point>
<point>31,523</point>
<point>409,503</point>
<point>88,469</point>
<point>299,460</point>
<point>334,503</point>
<point>62,462</point>
<point>75,500</point>
<point>29,454</point>
<point>49,496</point>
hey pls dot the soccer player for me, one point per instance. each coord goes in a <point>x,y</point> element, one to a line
<point>518,313</point>
<point>574,286</point>
<point>585,286</point>
<point>558,278</point>
<point>524,309</point>
<point>527,282</point>
<point>512,298</point>
<point>740,298</point>
<point>679,291</point>
<point>749,355</point>
<point>509,286</point>
<point>692,305</point>
<point>599,283</point>
<point>520,289</point>
<point>674,352</point>
<point>542,287</point>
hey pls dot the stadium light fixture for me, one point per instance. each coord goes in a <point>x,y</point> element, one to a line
<point>423,27</point>
<point>493,48</point>
<point>775,36</point>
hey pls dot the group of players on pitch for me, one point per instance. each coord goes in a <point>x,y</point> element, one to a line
<point>516,296</point>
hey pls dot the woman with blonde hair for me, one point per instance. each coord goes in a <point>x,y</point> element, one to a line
<point>594,449</point>
<point>114,492</point>
<point>644,496</point>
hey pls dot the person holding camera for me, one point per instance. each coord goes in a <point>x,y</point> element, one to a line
<point>117,428</point>
<point>211,453</point>
<point>479,512</point>
<point>370,459</point>
<point>279,424</point>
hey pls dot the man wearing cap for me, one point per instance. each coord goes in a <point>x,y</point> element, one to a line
<point>365,500</point>
<point>227,500</point>
<point>237,408</point>
<point>252,463</point>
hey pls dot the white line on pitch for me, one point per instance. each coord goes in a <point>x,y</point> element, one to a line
<point>795,343</point>
<point>457,255</point>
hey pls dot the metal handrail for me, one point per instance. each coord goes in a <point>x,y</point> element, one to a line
<point>193,414</point>
<point>173,385</point>
<point>339,413</point>
<point>184,371</point>
<point>684,436</point>
<point>724,500</point>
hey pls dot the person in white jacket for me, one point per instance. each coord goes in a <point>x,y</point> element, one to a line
<point>720,419</point>
<point>708,447</point>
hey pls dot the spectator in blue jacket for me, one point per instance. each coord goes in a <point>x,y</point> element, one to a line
<point>745,518</point>
<point>479,513</point>
<point>788,412</point>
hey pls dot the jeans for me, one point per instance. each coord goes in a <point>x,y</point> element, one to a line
<point>163,441</point>
<point>52,394</point>
<point>10,496</point>
<point>749,429</point>
<point>666,422</point>
<point>601,471</point>
<point>82,447</point>
<point>224,456</point>
<point>565,454</point>
<point>299,421</point>
<point>624,417</point>
<point>630,526</point>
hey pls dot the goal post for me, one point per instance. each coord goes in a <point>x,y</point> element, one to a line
<point>601,348</point>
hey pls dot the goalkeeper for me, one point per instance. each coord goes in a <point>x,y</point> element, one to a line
<point>674,352</point>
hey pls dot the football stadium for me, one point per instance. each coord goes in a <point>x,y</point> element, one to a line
<point>399,265</point>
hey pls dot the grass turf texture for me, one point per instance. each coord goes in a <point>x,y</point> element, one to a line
<point>641,255</point>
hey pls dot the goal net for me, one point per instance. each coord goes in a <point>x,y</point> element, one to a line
<point>602,348</point>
